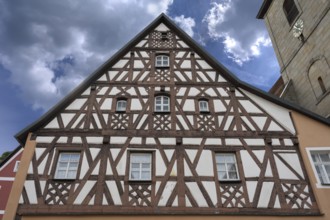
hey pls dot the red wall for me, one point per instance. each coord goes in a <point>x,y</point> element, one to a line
<point>7,175</point>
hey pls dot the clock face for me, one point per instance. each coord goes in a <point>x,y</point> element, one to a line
<point>298,28</point>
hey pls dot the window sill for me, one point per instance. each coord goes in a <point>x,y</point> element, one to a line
<point>230,181</point>
<point>120,112</point>
<point>64,180</point>
<point>140,181</point>
<point>162,113</point>
<point>205,112</point>
<point>321,97</point>
<point>162,67</point>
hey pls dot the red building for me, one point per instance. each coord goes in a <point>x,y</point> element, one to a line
<point>8,169</point>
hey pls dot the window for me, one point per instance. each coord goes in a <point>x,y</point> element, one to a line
<point>16,166</point>
<point>321,162</point>
<point>162,61</point>
<point>121,105</point>
<point>162,104</point>
<point>290,10</point>
<point>140,166</point>
<point>67,166</point>
<point>321,83</point>
<point>227,166</point>
<point>203,106</point>
<point>164,35</point>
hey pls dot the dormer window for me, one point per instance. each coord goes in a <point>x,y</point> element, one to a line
<point>162,104</point>
<point>291,11</point>
<point>121,105</point>
<point>203,106</point>
<point>162,61</point>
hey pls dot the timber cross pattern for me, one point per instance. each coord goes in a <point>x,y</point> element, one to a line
<point>183,143</point>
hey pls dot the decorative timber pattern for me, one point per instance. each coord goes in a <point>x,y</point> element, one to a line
<point>183,143</point>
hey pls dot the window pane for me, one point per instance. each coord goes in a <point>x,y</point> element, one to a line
<point>222,175</point>
<point>231,167</point>
<point>315,157</point>
<point>325,157</point>
<point>75,157</point>
<point>233,175</point>
<point>73,166</point>
<point>229,158</point>
<point>71,175</point>
<point>146,166</point>
<point>62,165</point>
<point>145,175</point>
<point>135,165</point>
<point>221,167</point>
<point>135,175</point>
<point>60,174</point>
<point>64,157</point>
<point>220,157</point>
<point>327,169</point>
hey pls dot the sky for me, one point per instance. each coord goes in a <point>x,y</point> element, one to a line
<point>48,47</point>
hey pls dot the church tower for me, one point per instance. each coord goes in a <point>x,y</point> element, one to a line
<point>300,33</point>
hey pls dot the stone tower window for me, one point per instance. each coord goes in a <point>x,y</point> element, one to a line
<point>319,76</point>
<point>322,86</point>
<point>291,11</point>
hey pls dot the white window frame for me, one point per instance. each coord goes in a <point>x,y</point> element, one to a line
<point>137,159</point>
<point>226,164</point>
<point>162,61</point>
<point>16,166</point>
<point>68,165</point>
<point>310,151</point>
<point>203,106</point>
<point>119,106</point>
<point>163,107</point>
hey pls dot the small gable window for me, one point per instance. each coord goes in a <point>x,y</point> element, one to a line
<point>67,165</point>
<point>227,167</point>
<point>162,104</point>
<point>162,61</point>
<point>121,105</point>
<point>203,106</point>
<point>16,166</point>
<point>291,11</point>
<point>140,166</point>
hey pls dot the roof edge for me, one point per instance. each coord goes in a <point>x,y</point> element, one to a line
<point>12,154</point>
<point>263,9</point>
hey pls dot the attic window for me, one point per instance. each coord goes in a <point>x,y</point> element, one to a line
<point>162,61</point>
<point>164,35</point>
<point>121,105</point>
<point>203,106</point>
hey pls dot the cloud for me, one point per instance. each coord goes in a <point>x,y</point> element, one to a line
<point>186,24</point>
<point>234,23</point>
<point>51,46</point>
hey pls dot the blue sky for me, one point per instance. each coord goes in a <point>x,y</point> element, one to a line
<point>48,47</point>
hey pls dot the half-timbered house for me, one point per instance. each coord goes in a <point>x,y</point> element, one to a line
<point>162,130</point>
<point>8,169</point>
